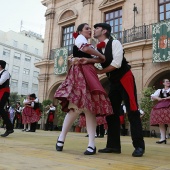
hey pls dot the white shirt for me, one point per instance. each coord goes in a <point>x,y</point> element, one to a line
<point>5,76</point>
<point>117,53</point>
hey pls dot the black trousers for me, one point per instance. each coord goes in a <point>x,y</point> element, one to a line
<point>117,94</point>
<point>3,113</point>
<point>100,130</point>
<point>33,126</point>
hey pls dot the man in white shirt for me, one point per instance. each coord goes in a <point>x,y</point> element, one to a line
<point>4,95</point>
<point>122,87</point>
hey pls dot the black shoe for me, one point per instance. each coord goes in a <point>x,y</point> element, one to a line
<point>100,136</point>
<point>160,142</point>
<point>23,130</point>
<point>109,150</point>
<point>87,136</point>
<point>90,153</point>
<point>28,131</point>
<point>32,131</point>
<point>59,148</point>
<point>7,133</point>
<point>138,152</point>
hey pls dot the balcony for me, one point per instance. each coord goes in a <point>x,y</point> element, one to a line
<point>136,34</point>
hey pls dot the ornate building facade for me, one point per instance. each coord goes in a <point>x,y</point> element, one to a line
<point>131,22</point>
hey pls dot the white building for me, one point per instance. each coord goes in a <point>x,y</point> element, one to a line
<point>21,51</point>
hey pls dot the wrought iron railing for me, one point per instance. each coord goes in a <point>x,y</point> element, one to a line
<point>136,34</point>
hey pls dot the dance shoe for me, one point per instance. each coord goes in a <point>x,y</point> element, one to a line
<point>90,153</point>
<point>7,133</point>
<point>160,142</point>
<point>109,150</point>
<point>138,152</point>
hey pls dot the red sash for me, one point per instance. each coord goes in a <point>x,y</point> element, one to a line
<point>3,90</point>
<point>127,82</point>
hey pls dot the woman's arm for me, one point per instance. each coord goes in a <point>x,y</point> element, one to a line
<point>92,51</point>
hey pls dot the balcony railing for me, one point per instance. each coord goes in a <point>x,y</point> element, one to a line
<point>136,34</point>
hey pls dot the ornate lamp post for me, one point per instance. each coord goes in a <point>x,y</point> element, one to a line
<point>135,11</point>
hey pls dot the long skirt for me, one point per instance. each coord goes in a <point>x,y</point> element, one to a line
<point>83,89</point>
<point>160,113</point>
<point>29,115</point>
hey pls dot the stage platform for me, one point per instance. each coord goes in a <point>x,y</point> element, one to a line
<point>29,151</point>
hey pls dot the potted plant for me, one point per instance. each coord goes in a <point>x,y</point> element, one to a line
<point>76,126</point>
<point>146,105</point>
<point>60,117</point>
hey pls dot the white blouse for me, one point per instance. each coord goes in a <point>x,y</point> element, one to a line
<point>81,42</point>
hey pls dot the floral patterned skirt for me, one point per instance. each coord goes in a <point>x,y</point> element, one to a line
<point>160,115</point>
<point>100,120</point>
<point>83,89</point>
<point>29,115</point>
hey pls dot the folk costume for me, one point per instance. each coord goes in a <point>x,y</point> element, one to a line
<point>160,113</point>
<point>36,108</point>
<point>82,92</point>
<point>50,118</point>
<point>18,117</point>
<point>29,115</point>
<point>82,88</point>
<point>122,87</point>
<point>4,95</point>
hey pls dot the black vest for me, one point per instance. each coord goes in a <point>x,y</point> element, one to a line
<point>80,54</point>
<point>118,73</point>
<point>6,83</point>
<point>162,95</point>
<point>36,105</point>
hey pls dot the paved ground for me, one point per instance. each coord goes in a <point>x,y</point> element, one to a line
<point>28,150</point>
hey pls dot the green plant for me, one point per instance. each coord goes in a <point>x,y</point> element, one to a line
<point>60,115</point>
<point>146,105</point>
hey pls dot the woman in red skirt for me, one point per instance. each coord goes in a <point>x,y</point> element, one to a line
<point>160,114</point>
<point>82,91</point>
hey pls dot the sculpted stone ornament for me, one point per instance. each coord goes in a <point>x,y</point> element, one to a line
<point>85,2</point>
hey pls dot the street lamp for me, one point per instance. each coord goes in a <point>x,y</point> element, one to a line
<point>135,11</point>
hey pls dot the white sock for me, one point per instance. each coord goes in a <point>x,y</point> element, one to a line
<point>91,129</point>
<point>29,126</point>
<point>162,131</point>
<point>68,121</point>
<point>25,126</point>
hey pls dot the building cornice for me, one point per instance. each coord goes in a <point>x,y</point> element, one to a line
<point>22,51</point>
<point>86,2</point>
<point>110,3</point>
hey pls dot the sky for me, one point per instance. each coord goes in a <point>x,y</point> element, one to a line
<point>30,12</point>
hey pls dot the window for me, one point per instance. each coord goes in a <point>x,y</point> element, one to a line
<point>35,87</point>
<point>35,74</point>
<point>24,85</point>
<point>15,43</point>
<point>25,47</point>
<point>164,10</point>
<point>27,58</point>
<point>26,71</point>
<point>15,69</point>
<point>67,38</point>
<point>114,18</point>
<point>36,51</point>
<point>14,83</point>
<point>6,52</point>
<point>17,56</point>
